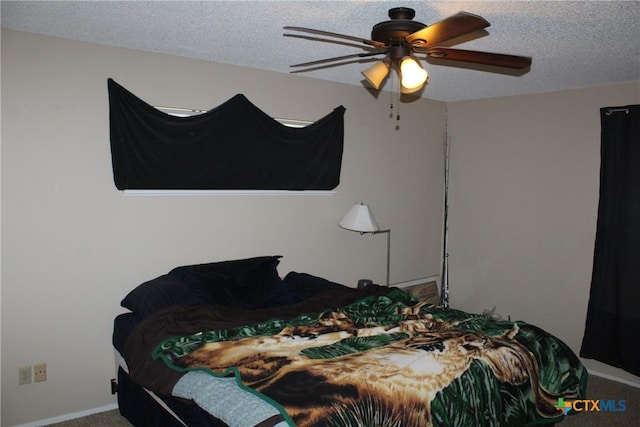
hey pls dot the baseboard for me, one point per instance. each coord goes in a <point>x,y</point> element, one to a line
<point>613,378</point>
<point>71,416</point>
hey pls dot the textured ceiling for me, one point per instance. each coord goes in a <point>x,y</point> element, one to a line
<point>573,44</point>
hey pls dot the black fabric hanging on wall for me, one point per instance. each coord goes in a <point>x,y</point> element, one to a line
<point>234,146</point>
<point>613,316</point>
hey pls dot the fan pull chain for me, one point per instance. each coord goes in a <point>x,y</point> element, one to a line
<point>398,112</point>
<point>391,99</point>
<point>397,99</point>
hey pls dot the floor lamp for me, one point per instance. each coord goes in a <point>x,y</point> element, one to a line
<point>360,219</point>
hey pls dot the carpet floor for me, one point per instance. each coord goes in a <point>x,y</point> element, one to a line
<point>597,389</point>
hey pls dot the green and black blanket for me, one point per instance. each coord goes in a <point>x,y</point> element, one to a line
<point>370,358</point>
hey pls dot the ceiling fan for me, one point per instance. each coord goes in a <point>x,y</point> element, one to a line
<point>401,38</point>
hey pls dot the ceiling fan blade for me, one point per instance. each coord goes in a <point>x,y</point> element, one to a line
<point>340,36</point>
<point>331,65</point>
<point>338,58</point>
<point>332,41</point>
<point>485,58</point>
<point>456,25</point>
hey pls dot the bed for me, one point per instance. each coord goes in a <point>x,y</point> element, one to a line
<point>232,343</point>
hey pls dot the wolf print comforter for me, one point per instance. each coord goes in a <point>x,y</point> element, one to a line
<point>389,360</point>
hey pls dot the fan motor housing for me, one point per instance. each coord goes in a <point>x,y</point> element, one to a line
<point>398,28</point>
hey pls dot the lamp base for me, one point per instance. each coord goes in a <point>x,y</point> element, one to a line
<point>363,283</point>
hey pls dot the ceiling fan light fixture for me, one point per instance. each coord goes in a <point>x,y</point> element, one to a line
<point>401,37</point>
<point>376,74</point>
<point>412,75</point>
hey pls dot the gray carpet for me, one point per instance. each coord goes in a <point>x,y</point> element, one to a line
<point>102,419</point>
<point>598,389</point>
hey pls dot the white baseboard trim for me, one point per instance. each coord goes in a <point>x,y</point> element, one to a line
<point>71,416</point>
<point>614,378</point>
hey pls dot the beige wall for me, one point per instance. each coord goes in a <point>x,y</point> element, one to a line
<point>524,203</point>
<point>73,246</point>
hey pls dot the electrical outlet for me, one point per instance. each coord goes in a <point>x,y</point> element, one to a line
<point>24,375</point>
<point>40,372</point>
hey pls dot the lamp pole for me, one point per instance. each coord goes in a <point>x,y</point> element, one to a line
<point>388,231</point>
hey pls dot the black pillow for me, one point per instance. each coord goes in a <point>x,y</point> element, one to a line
<point>159,293</point>
<point>301,286</point>
<point>246,283</point>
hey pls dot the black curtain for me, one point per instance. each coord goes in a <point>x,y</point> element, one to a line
<point>612,330</point>
<point>234,146</point>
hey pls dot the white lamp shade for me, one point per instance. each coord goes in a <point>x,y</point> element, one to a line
<point>376,74</point>
<point>413,76</point>
<point>359,218</point>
